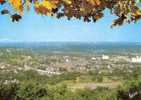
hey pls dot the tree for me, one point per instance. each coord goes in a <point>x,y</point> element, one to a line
<point>88,10</point>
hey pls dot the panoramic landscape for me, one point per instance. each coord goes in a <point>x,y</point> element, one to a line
<point>70,71</point>
<point>70,50</point>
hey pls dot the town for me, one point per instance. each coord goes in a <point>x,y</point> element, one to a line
<point>29,71</point>
<point>18,60</point>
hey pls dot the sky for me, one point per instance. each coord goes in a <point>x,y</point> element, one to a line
<point>38,28</point>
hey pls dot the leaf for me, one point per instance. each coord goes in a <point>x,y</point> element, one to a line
<point>48,4</point>
<point>15,17</point>
<point>68,2</point>
<point>55,10</point>
<point>94,2</point>
<point>43,10</point>
<point>16,5</point>
<point>4,11</point>
<point>2,2</point>
<point>118,21</point>
<point>27,4</point>
<point>36,3</point>
<point>137,13</point>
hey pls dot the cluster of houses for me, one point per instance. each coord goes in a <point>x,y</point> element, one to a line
<point>135,59</point>
<point>57,64</point>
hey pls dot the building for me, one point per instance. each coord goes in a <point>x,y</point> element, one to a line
<point>93,58</point>
<point>136,59</point>
<point>105,57</point>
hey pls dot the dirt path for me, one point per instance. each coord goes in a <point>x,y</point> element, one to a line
<point>93,86</point>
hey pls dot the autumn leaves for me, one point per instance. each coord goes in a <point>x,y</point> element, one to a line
<point>17,7</point>
<point>45,7</point>
<point>88,10</point>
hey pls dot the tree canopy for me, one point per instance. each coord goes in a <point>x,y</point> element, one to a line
<point>89,10</point>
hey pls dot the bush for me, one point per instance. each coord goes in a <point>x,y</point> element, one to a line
<point>133,92</point>
<point>8,91</point>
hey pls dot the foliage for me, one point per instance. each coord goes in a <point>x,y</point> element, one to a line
<point>32,86</point>
<point>8,91</point>
<point>132,92</point>
<point>88,10</point>
<point>36,91</point>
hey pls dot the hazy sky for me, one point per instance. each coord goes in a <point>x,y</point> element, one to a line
<point>34,27</point>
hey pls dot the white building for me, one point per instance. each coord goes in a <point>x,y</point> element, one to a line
<point>105,57</point>
<point>136,59</point>
<point>93,58</point>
